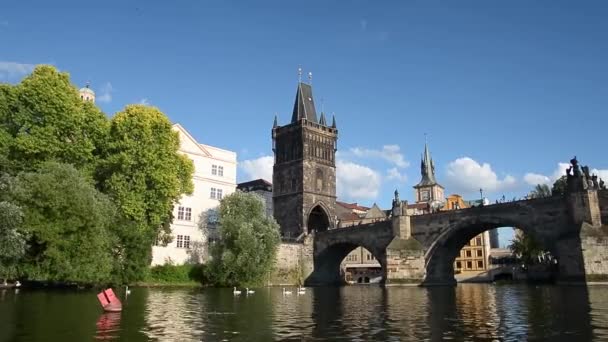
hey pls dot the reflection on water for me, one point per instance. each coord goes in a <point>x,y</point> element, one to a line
<point>356,313</point>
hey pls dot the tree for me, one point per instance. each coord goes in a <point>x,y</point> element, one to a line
<point>526,248</point>
<point>12,243</point>
<point>142,170</point>
<point>560,187</point>
<point>46,120</point>
<point>540,191</point>
<point>67,222</point>
<point>246,250</point>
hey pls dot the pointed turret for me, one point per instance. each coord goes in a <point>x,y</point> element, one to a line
<point>304,106</point>
<point>333,121</point>
<point>427,168</point>
<point>276,124</point>
<point>322,120</point>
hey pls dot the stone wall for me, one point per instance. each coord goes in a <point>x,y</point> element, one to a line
<point>293,263</point>
<point>603,201</point>
<point>404,262</point>
<point>594,242</point>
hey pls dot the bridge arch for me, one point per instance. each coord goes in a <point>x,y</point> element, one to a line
<point>440,255</point>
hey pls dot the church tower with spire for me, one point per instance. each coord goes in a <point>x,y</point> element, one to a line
<point>304,171</point>
<point>428,190</point>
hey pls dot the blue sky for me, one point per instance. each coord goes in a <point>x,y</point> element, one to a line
<point>504,90</point>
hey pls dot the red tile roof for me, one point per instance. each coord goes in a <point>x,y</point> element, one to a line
<point>352,206</point>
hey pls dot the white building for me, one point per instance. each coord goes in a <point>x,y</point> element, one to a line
<point>214,177</point>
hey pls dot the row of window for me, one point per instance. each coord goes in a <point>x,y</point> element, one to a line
<point>217,170</point>
<point>216,193</point>
<point>469,265</point>
<point>469,254</point>
<point>353,257</point>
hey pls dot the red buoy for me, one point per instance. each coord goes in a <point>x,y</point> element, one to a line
<point>109,302</point>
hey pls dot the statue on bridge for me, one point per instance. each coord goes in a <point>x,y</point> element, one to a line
<point>580,178</point>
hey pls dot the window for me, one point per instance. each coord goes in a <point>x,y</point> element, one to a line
<point>187,241</point>
<point>458,264</point>
<point>184,214</point>
<point>219,194</point>
<point>211,218</point>
<point>479,264</point>
<point>213,193</point>
<point>214,170</point>
<point>479,253</point>
<point>183,241</point>
<point>468,253</point>
<point>469,265</point>
<point>370,257</point>
<point>478,241</point>
<point>220,171</point>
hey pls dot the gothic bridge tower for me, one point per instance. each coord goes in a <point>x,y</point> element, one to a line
<point>304,172</point>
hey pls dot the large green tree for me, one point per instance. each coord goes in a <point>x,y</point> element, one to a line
<point>525,247</point>
<point>246,250</point>
<point>560,187</point>
<point>67,221</point>
<point>540,191</point>
<point>43,118</point>
<point>145,174</point>
<point>12,242</point>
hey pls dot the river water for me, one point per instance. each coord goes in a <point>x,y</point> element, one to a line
<point>471,312</point>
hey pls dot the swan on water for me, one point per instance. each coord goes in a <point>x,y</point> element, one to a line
<point>248,291</point>
<point>235,291</point>
<point>301,290</point>
<point>285,292</point>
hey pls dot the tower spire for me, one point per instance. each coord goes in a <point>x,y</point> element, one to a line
<point>299,74</point>
<point>275,121</point>
<point>333,120</point>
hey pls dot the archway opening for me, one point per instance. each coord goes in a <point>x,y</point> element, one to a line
<point>340,264</point>
<point>360,266</point>
<point>318,220</point>
<point>489,252</point>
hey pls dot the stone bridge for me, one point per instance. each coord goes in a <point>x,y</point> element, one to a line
<point>422,248</point>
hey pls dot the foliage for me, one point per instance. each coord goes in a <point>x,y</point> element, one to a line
<point>175,274</point>
<point>42,118</point>
<point>560,187</point>
<point>248,242</point>
<point>540,191</point>
<point>525,248</point>
<point>67,221</point>
<point>12,242</point>
<point>144,173</point>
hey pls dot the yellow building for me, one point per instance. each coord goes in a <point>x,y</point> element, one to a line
<point>474,255</point>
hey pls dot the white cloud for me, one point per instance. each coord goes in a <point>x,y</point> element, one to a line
<point>390,153</point>
<point>144,101</point>
<point>105,93</point>
<point>467,175</point>
<point>258,168</point>
<point>394,174</point>
<point>602,174</point>
<point>355,181</point>
<point>13,70</point>
<point>535,178</point>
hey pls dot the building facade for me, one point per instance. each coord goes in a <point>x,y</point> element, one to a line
<point>195,216</point>
<point>304,171</point>
<point>262,188</point>
<point>87,94</point>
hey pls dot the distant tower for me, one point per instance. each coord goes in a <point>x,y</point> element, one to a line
<point>428,190</point>
<point>304,172</point>
<point>87,94</point>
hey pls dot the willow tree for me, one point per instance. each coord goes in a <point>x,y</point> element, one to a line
<point>145,174</point>
<point>246,250</point>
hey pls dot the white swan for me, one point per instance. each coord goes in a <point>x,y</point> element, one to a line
<point>248,291</point>
<point>127,291</point>
<point>285,292</point>
<point>235,291</point>
<point>301,290</point>
<point>17,284</point>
